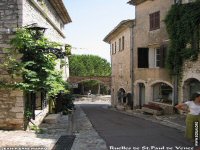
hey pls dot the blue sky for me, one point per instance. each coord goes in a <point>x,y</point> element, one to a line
<point>92,20</point>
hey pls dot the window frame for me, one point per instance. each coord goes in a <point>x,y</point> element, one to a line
<point>157,65</point>
<point>115,48</point>
<point>123,42</point>
<point>154,21</point>
<point>120,46</point>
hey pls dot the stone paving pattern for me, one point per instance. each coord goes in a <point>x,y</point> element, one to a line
<point>51,134</point>
<point>86,137</point>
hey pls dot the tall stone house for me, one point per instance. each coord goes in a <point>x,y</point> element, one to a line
<point>150,81</point>
<point>50,14</point>
<point>120,43</point>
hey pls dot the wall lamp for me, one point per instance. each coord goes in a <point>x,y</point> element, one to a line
<point>36,30</point>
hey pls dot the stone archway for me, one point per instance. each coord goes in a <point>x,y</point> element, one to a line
<point>190,86</point>
<point>78,84</point>
<point>76,79</point>
<point>121,96</point>
<point>162,92</point>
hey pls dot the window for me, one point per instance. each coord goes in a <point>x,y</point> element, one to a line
<point>115,47</point>
<point>112,48</point>
<point>143,58</point>
<point>177,1</point>
<point>157,57</point>
<point>154,20</point>
<point>122,42</point>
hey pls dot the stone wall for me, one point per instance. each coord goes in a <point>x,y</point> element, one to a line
<point>14,14</point>
<point>11,102</point>
<point>121,77</point>
<point>11,109</point>
<point>145,38</point>
<point>31,14</point>
<point>191,70</point>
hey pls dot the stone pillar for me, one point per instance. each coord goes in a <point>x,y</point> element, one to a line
<point>11,101</point>
<point>11,109</point>
<point>99,88</point>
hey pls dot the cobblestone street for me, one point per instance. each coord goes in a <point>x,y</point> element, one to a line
<point>86,135</point>
<point>51,134</point>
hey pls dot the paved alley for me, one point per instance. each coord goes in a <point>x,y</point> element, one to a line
<point>119,130</point>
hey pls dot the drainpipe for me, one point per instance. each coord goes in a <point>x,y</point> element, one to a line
<point>175,101</point>
<point>132,63</point>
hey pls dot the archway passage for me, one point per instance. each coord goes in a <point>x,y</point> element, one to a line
<point>162,93</point>
<point>190,86</point>
<point>121,96</point>
<point>77,79</point>
<point>84,85</point>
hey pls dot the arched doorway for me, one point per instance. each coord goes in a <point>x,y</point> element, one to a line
<point>162,93</point>
<point>121,96</point>
<point>141,94</point>
<point>91,86</point>
<point>190,86</point>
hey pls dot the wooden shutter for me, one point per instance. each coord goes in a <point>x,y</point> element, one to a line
<point>163,52</point>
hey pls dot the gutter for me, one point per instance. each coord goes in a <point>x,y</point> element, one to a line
<point>132,62</point>
<point>48,18</point>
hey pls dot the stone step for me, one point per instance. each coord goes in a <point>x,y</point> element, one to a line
<point>52,118</point>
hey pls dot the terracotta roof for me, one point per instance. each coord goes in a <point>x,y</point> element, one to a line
<point>61,10</point>
<point>123,24</point>
<point>136,2</point>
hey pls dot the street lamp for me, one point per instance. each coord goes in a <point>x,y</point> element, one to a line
<point>37,30</point>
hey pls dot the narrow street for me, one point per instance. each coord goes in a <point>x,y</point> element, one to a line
<point>118,130</point>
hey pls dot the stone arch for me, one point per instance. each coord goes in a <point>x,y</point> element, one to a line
<point>159,81</point>
<point>76,79</point>
<point>106,84</point>
<point>121,94</point>
<point>162,92</point>
<point>190,86</point>
<point>140,81</point>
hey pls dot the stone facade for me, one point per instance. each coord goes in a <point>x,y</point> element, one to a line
<point>144,37</point>
<point>20,13</point>
<point>11,102</point>
<point>120,59</point>
<point>190,80</point>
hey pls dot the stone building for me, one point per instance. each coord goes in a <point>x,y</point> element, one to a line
<point>50,14</point>
<point>120,42</point>
<point>152,81</point>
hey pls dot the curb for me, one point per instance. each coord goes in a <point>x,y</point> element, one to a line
<point>152,118</point>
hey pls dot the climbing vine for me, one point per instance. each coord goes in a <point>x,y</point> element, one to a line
<point>183,27</point>
<point>30,67</point>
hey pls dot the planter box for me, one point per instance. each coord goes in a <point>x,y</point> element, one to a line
<point>152,111</point>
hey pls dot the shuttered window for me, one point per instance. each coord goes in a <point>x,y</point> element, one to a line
<point>122,42</point>
<point>154,20</point>
<point>160,56</point>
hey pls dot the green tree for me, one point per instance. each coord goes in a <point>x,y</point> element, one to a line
<point>89,65</point>
<point>35,69</point>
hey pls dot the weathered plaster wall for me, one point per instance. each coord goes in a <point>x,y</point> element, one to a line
<point>144,38</point>
<point>121,65</point>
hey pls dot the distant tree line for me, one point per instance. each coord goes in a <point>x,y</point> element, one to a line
<point>88,65</point>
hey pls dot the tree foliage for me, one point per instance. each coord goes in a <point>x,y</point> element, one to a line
<point>26,60</point>
<point>183,27</point>
<point>88,65</point>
